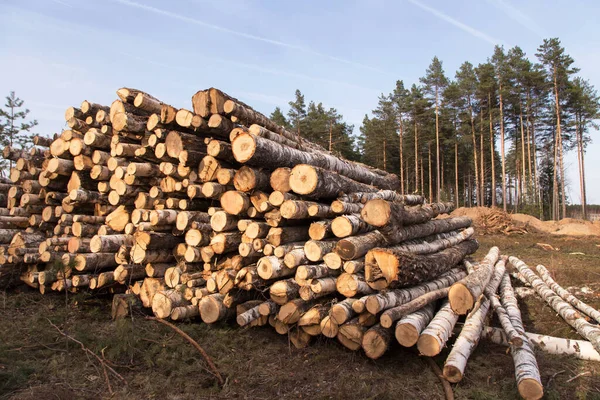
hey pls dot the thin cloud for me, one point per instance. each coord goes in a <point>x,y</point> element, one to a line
<point>458,24</point>
<point>63,3</point>
<point>518,16</point>
<point>242,34</point>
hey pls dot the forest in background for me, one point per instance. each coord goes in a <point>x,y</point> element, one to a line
<point>494,135</point>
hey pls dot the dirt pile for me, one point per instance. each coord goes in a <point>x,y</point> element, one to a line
<point>493,220</point>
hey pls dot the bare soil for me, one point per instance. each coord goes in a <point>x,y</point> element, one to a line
<point>36,362</point>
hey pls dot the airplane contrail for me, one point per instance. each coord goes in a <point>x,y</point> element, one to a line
<point>458,24</point>
<point>243,34</point>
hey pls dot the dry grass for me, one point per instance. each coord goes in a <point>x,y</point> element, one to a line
<point>36,362</point>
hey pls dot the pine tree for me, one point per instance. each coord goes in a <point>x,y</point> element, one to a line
<point>297,113</point>
<point>467,85</point>
<point>278,117</point>
<point>486,94</point>
<point>559,67</point>
<point>401,103</point>
<point>584,103</point>
<point>454,104</point>
<point>502,76</point>
<point>417,106</point>
<point>14,129</point>
<point>435,81</point>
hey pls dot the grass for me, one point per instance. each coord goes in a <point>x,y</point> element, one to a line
<point>36,362</point>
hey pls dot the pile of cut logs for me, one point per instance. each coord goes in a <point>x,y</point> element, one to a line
<point>218,213</point>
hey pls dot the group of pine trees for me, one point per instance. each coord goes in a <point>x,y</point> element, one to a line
<point>495,135</point>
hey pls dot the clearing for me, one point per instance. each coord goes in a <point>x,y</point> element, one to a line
<point>36,362</point>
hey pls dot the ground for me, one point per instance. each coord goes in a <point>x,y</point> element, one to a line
<point>36,362</point>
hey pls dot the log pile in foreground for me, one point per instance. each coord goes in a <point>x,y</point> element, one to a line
<point>217,213</point>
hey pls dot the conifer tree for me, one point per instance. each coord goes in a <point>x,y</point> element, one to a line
<point>278,117</point>
<point>559,67</point>
<point>14,127</point>
<point>435,81</point>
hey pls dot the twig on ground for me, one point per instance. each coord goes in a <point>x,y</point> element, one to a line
<point>554,376</point>
<point>187,337</point>
<point>438,372</point>
<point>105,366</point>
<point>578,376</point>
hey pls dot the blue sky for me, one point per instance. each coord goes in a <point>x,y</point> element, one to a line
<point>56,53</point>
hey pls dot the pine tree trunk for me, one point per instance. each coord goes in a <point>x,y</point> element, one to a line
<point>417,159</point>
<point>401,150</point>
<point>479,197</point>
<point>430,173</point>
<point>492,151</point>
<point>456,174</point>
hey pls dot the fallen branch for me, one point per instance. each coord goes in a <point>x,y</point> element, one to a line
<point>438,372</point>
<point>187,337</point>
<point>104,365</point>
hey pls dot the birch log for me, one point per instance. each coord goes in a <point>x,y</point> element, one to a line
<point>409,328</point>
<point>564,309</point>
<point>566,296</point>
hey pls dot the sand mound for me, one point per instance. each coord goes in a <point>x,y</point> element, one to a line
<point>488,220</point>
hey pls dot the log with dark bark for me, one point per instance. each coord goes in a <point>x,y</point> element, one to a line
<point>259,151</point>
<point>391,268</point>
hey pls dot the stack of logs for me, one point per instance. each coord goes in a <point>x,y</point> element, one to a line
<point>219,213</point>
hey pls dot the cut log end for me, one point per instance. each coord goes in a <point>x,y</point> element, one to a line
<point>304,179</point>
<point>530,389</point>
<point>452,374</point>
<point>428,345</point>
<point>406,335</point>
<point>386,321</point>
<point>460,299</point>
<point>376,212</point>
<point>243,147</point>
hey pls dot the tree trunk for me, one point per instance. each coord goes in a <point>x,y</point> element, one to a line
<point>316,249</point>
<point>350,285</point>
<point>410,326</point>
<point>389,267</point>
<point>283,291</point>
<point>465,293</point>
<point>566,296</point>
<point>393,298</point>
<point>564,309</point>
<point>320,230</point>
<point>417,159</point>
<point>382,213</point>
<point>258,151</point>
<point>320,183</point>
<point>355,247</point>
<point>469,336</point>
<point>401,150</point>
<point>581,349</point>
<point>349,225</point>
<point>437,333</point>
